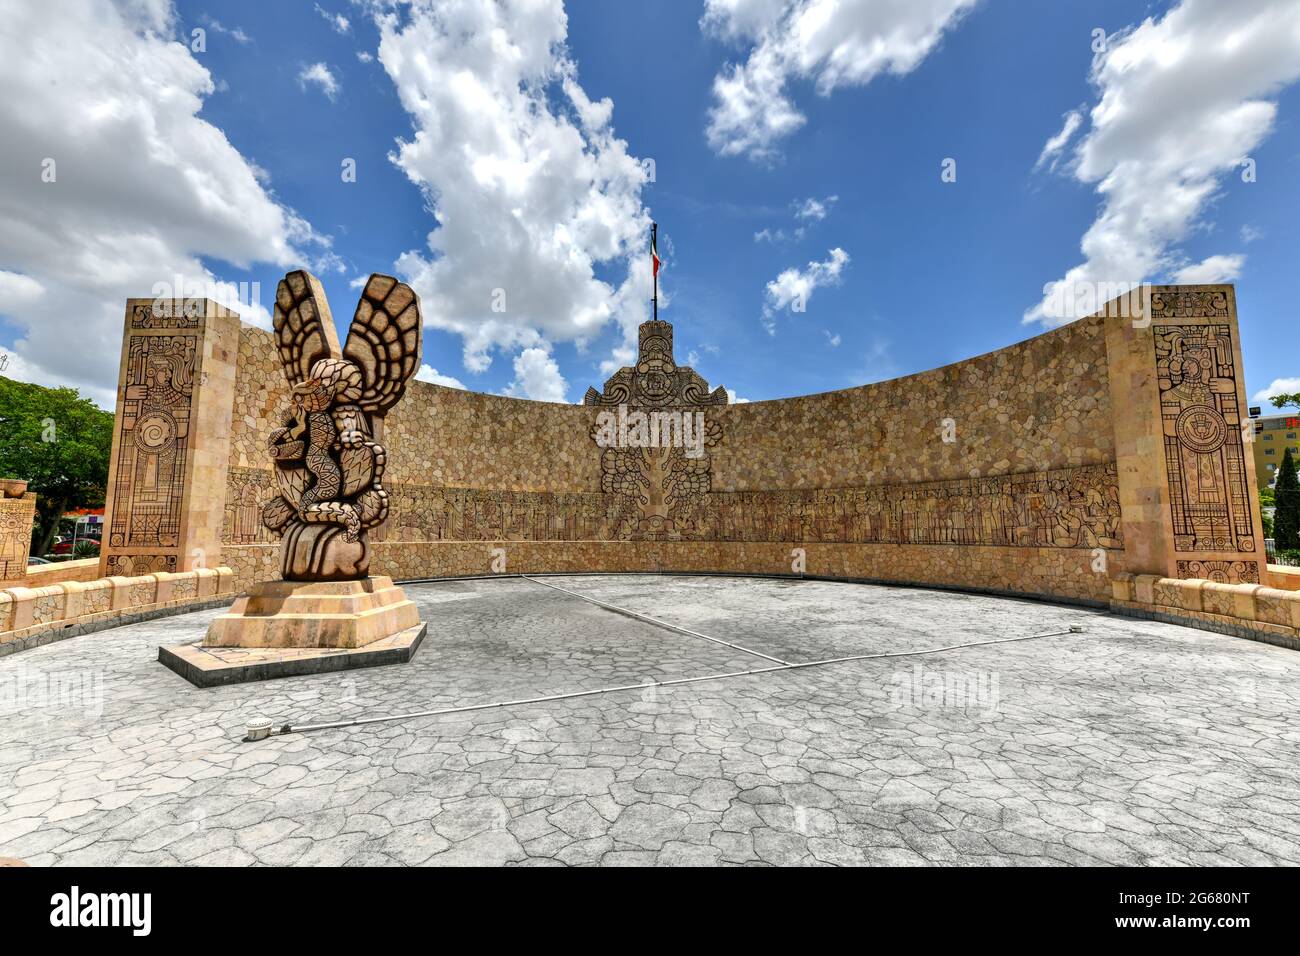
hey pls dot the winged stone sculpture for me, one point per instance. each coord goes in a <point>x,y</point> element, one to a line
<point>329,463</point>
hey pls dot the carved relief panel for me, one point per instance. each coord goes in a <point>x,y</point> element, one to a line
<point>654,456</point>
<point>1210,491</point>
<point>16,516</point>
<point>154,431</point>
<point>174,392</point>
<point>1204,453</point>
<point>1071,508</point>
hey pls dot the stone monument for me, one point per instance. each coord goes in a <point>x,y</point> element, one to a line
<point>327,612</point>
<point>17,511</point>
<point>171,432</point>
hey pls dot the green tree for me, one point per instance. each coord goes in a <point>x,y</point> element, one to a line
<point>1283,400</point>
<point>60,443</point>
<point>1286,521</point>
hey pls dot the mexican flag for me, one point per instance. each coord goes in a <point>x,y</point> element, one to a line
<point>654,251</point>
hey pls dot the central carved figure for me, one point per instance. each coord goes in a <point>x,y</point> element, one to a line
<point>329,463</point>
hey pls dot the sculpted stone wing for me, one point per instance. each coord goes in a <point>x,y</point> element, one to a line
<point>385,341</point>
<point>304,328</point>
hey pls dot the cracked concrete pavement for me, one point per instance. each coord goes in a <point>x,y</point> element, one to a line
<point>1133,742</point>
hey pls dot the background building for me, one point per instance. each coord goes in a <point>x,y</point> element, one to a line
<point>1273,434</point>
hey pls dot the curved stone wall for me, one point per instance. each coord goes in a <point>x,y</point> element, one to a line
<point>1104,462</point>
<point>1112,446</point>
<point>995,473</point>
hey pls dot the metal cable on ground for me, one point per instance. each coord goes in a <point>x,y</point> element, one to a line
<point>360,721</point>
<point>658,623</point>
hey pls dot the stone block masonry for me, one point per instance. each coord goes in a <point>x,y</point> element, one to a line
<point>1107,447</point>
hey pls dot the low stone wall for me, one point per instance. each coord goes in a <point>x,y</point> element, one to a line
<point>1067,574</point>
<point>31,616</point>
<point>1284,578</point>
<point>1252,611</point>
<point>1063,574</point>
<point>58,572</point>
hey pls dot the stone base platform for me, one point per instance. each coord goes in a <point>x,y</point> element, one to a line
<point>320,615</point>
<point>206,666</point>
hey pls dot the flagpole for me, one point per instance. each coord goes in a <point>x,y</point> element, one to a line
<point>654,246</point>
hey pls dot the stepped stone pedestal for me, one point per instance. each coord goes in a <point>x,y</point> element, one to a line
<point>290,628</point>
<point>322,614</point>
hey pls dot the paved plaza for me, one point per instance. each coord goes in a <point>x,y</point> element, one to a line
<point>1131,742</point>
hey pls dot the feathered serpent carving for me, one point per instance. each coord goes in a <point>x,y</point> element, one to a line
<point>329,464</point>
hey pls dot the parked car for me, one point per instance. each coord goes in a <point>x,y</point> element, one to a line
<point>33,559</point>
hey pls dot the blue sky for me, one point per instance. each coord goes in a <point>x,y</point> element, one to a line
<point>932,271</point>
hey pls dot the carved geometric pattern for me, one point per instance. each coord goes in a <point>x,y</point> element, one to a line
<point>133,565</point>
<point>16,516</point>
<point>154,442</point>
<point>1208,490</point>
<point>1189,304</point>
<point>1225,572</point>
<point>656,381</point>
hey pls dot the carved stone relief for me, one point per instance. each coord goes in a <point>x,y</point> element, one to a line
<point>1225,572</point>
<point>1209,493</point>
<point>1071,508</point>
<point>154,443</point>
<point>663,485</point>
<point>656,381</point>
<point>16,515</point>
<point>1190,304</point>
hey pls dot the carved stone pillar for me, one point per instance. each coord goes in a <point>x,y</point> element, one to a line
<point>17,511</point>
<point>171,437</point>
<point>1186,475</point>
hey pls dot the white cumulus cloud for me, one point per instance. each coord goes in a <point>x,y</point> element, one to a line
<point>1280,386</point>
<point>537,376</point>
<point>337,21</point>
<point>831,43</point>
<point>428,373</point>
<point>318,74</point>
<point>814,209</point>
<point>1054,146</point>
<point>1210,270</point>
<point>805,212</point>
<point>143,189</point>
<point>532,191</point>
<point>794,287</point>
<point>1182,101</point>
